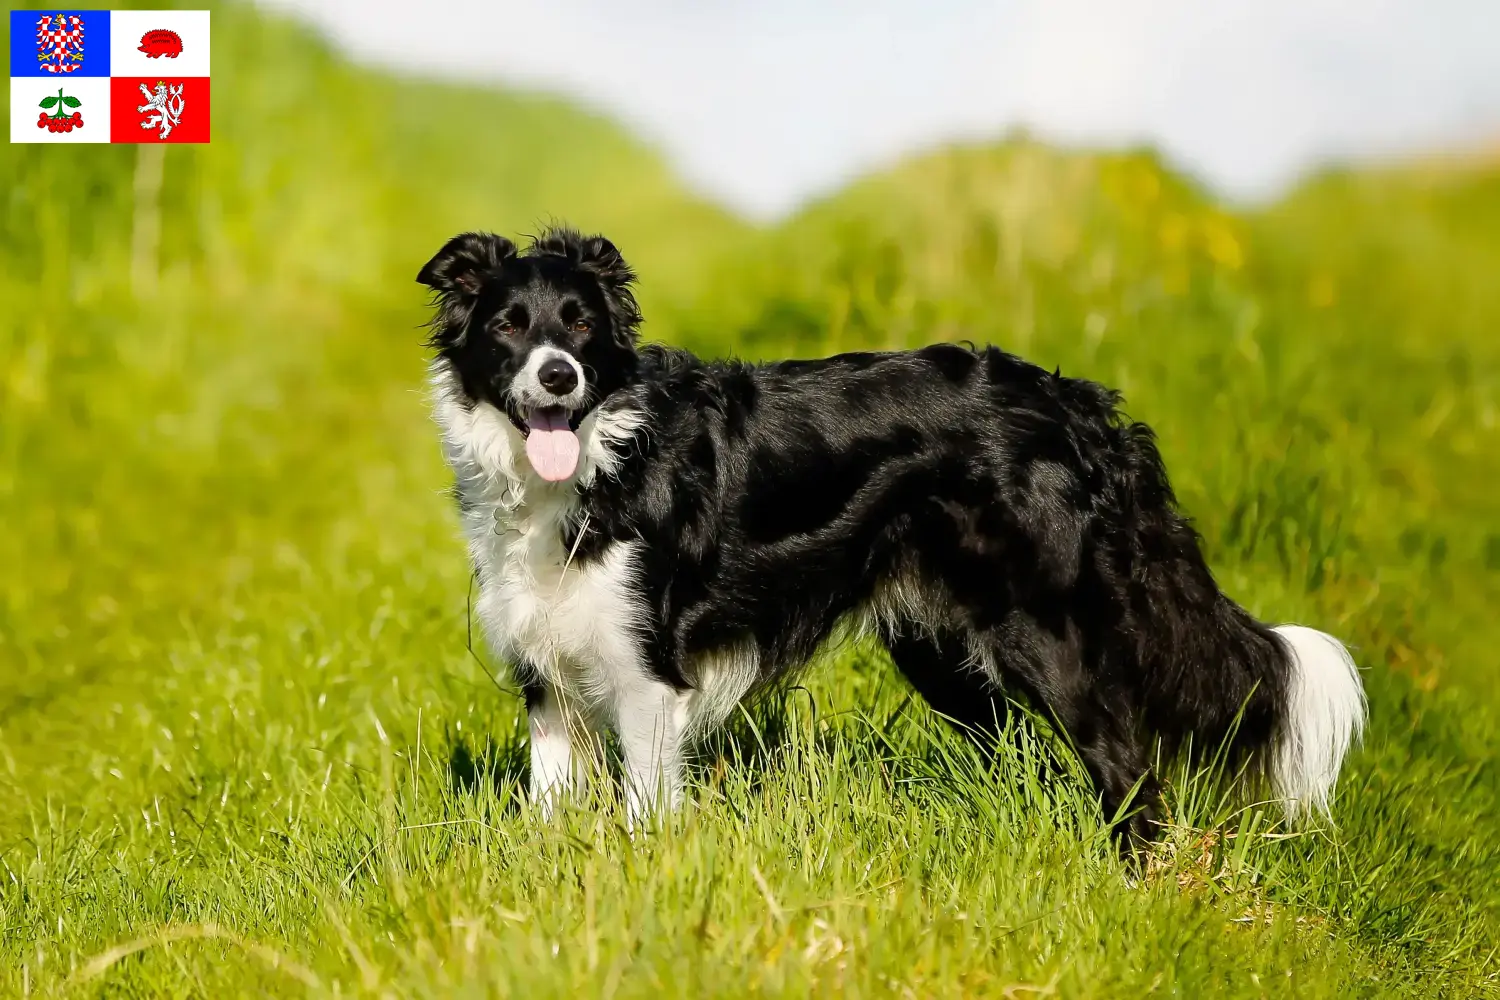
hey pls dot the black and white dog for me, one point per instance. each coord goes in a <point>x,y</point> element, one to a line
<point>656,537</point>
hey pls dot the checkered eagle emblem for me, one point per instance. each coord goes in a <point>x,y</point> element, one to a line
<point>59,42</point>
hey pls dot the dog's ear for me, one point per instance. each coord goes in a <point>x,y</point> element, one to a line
<point>457,273</point>
<point>464,262</point>
<point>597,256</point>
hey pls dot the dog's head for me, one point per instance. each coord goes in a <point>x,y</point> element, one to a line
<point>543,334</point>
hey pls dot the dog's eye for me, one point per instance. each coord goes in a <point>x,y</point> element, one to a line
<point>582,326</point>
<point>507,329</point>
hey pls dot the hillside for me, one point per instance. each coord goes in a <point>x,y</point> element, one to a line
<point>244,745</point>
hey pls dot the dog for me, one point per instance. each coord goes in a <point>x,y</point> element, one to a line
<point>656,537</point>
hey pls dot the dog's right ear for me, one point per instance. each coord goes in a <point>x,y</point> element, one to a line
<point>465,261</point>
<point>457,273</point>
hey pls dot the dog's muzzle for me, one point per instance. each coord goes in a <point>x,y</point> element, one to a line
<point>547,392</point>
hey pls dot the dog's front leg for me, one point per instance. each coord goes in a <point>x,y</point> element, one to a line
<point>650,721</point>
<point>562,745</point>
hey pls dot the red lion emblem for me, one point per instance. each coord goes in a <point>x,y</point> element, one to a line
<point>161,42</point>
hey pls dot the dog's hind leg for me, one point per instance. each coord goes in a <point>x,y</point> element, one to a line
<point>938,666</point>
<point>1102,721</point>
<point>1106,732</point>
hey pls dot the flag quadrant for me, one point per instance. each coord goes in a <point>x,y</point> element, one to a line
<point>64,110</point>
<point>59,43</point>
<point>97,76</point>
<point>158,109</point>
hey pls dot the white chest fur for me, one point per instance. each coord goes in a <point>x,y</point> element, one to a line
<point>578,625</point>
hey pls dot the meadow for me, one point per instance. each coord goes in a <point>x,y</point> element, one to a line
<point>248,746</point>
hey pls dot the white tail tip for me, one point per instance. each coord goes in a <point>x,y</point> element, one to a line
<point>1325,714</point>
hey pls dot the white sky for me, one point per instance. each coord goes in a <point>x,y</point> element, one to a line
<point>764,103</point>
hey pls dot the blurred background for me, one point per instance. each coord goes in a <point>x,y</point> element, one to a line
<point>762,106</point>
<point>1274,225</point>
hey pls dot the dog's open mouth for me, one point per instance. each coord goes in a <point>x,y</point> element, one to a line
<point>551,442</point>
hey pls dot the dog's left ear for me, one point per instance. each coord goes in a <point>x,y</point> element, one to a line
<point>457,273</point>
<point>597,256</point>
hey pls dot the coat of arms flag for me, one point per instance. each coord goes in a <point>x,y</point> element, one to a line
<point>109,76</point>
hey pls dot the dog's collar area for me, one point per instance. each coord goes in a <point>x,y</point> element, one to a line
<point>511,499</point>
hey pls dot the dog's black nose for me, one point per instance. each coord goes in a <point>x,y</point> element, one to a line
<point>557,376</point>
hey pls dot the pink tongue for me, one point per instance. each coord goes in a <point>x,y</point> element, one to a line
<point>551,444</point>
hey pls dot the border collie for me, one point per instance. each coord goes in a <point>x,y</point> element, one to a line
<point>656,536</point>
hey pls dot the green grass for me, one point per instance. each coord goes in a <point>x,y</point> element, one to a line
<point>245,747</point>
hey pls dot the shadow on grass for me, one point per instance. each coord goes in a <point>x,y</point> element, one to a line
<point>501,769</point>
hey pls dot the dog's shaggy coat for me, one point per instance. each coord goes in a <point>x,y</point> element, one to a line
<point>656,536</point>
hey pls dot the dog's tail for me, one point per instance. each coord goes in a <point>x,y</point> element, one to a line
<point>1287,699</point>
<point>1323,714</point>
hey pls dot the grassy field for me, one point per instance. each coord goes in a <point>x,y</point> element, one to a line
<point>246,748</point>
